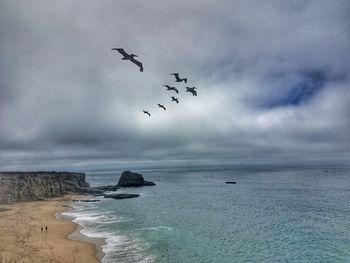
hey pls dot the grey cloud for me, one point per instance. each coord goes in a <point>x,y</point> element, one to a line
<point>67,99</point>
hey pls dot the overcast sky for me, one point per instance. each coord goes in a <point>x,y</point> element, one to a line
<point>273,80</point>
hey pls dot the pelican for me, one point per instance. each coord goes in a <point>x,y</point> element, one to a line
<point>130,57</point>
<point>171,88</point>
<point>175,99</point>
<point>177,78</point>
<point>192,90</point>
<point>161,106</point>
<point>146,112</point>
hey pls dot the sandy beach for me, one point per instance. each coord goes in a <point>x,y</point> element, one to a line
<point>21,238</point>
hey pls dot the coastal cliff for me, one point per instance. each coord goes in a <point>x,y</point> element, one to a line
<point>34,186</point>
<point>31,186</point>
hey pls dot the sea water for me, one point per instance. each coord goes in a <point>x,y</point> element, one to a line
<point>270,215</point>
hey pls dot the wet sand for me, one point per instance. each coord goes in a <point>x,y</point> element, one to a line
<point>21,239</point>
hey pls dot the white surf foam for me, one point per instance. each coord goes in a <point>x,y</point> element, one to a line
<point>118,248</point>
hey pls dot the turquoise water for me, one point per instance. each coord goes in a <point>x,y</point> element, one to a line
<point>270,215</point>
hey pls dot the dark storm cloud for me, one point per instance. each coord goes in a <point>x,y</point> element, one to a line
<point>273,79</point>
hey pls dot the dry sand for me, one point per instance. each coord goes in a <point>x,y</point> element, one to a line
<point>21,239</point>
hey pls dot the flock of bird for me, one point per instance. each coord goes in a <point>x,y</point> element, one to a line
<point>131,58</point>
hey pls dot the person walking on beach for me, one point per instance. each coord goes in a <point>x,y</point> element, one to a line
<point>46,232</point>
<point>42,236</point>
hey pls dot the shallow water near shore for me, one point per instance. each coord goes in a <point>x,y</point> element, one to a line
<point>270,215</point>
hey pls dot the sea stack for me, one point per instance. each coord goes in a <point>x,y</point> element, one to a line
<point>130,179</point>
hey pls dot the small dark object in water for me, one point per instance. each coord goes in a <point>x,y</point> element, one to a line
<point>231,182</point>
<point>121,196</point>
<point>106,188</point>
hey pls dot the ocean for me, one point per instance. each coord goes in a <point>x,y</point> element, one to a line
<point>191,215</point>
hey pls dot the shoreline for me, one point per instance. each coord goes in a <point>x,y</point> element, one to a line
<point>78,236</point>
<point>22,238</point>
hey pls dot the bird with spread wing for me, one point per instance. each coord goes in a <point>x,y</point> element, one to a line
<point>130,57</point>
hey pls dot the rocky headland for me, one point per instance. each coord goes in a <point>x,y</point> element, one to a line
<point>34,186</point>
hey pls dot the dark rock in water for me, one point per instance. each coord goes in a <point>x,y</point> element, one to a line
<point>148,183</point>
<point>4,209</point>
<point>92,191</point>
<point>106,188</point>
<point>121,196</point>
<point>130,179</point>
<point>231,182</point>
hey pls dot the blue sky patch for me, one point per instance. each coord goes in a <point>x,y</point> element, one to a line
<point>297,90</point>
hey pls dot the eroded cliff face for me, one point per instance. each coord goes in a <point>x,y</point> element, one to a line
<point>31,186</point>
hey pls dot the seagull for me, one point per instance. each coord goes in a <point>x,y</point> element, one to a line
<point>192,90</point>
<point>175,99</point>
<point>176,75</point>
<point>171,88</point>
<point>161,106</point>
<point>146,112</point>
<point>130,57</point>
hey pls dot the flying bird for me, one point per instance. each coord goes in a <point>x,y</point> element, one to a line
<point>175,99</point>
<point>146,112</point>
<point>161,106</point>
<point>130,57</point>
<point>192,90</point>
<point>171,88</point>
<point>177,78</point>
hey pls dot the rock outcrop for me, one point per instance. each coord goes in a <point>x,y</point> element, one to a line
<point>34,186</point>
<point>31,186</point>
<point>121,196</point>
<point>130,179</point>
<point>105,188</point>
